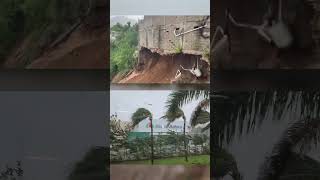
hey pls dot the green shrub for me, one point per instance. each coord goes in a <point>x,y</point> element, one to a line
<point>178,49</point>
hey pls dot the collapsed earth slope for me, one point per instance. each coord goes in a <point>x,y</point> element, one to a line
<point>82,46</point>
<point>156,68</point>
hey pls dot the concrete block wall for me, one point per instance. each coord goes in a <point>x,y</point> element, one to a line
<point>157,32</point>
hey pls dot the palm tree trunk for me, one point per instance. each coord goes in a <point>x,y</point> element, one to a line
<point>160,149</point>
<point>202,147</point>
<point>151,141</point>
<point>185,139</point>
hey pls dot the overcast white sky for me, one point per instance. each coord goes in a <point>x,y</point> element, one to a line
<point>131,17</point>
<point>125,103</point>
<point>162,7</point>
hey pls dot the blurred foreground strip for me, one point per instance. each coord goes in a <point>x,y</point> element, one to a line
<point>146,172</point>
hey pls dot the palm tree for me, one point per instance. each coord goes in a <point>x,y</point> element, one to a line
<point>179,98</point>
<point>138,116</point>
<point>285,163</point>
<point>171,117</point>
<point>244,112</point>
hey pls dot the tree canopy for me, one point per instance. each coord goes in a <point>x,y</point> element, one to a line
<point>123,47</point>
<point>139,115</point>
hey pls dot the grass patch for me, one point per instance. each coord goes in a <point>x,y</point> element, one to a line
<point>193,160</point>
<point>178,49</point>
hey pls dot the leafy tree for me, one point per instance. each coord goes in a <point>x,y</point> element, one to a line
<point>118,135</point>
<point>123,47</point>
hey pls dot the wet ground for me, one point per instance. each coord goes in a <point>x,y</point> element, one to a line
<point>148,172</point>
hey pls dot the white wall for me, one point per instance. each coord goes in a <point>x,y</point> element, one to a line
<point>160,125</point>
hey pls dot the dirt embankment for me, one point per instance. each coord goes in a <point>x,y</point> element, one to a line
<point>155,68</point>
<point>84,47</point>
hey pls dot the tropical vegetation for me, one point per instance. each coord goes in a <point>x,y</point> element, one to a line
<point>169,145</point>
<point>178,99</point>
<point>123,48</point>
<point>138,116</point>
<point>172,116</point>
<point>200,116</point>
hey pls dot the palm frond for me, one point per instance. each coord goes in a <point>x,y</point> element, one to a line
<point>139,115</point>
<point>301,134</point>
<point>206,127</point>
<point>244,112</point>
<point>172,116</point>
<point>199,116</point>
<point>179,98</point>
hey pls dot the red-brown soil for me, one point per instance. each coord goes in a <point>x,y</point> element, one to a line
<point>82,50</point>
<point>159,69</point>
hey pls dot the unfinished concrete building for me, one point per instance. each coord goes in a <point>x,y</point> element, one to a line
<point>172,49</point>
<point>175,34</point>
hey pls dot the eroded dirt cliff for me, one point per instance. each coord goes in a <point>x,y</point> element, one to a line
<point>155,68</point>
